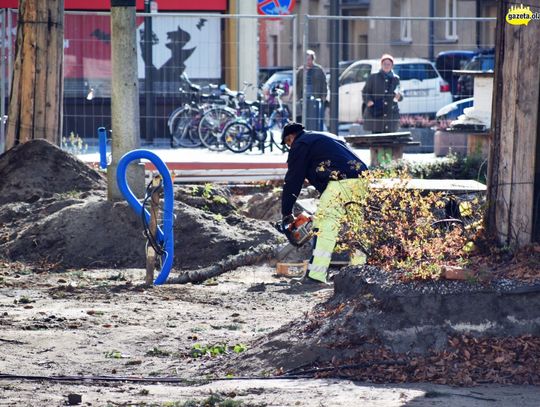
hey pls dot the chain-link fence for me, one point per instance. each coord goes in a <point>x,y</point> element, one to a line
<point>426,54</point>
<point>179,49</point>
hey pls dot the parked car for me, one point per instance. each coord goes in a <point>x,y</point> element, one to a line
<point>484,61</point>
<point>344,65</point>
<point>454,109</point>
<point>449,61</point>
<point>267,72</point>
<point>424,90</point>
<point>283,80</point>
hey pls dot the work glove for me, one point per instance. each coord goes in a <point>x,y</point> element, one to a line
<point>282,226</point>
<point>286,222</point>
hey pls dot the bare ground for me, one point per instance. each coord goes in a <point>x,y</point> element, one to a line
<point>74,307</point>
<point>106,323</point>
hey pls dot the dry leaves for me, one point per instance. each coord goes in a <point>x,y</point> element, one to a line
<point>467,361</point>
<point>523,265</point>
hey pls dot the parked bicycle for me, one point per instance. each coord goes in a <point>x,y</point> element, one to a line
<point>210,109</point>
<point>183,122</point>
<point>258,128</point>
<point>213,122</point>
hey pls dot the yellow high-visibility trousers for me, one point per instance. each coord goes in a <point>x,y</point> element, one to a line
<point>327,224</point>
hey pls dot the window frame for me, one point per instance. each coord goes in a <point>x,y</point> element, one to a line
<point>405,28</point>
<point>450,26</point>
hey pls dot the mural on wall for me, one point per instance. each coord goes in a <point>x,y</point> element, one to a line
<point>183,45</point>
<point>190,45</point>
<point>171,70</point>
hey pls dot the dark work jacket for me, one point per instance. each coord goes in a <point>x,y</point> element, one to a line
<point>320,157</point>
<point>383,116</point>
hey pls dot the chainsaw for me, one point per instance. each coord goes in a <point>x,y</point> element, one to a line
<point>299,231</point>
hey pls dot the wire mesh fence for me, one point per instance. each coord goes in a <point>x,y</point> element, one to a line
<point>428,55</point>
<point>246,52</point>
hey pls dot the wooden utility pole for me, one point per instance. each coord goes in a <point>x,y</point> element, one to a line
<point>514,167</point>
<point>35,107</point>
<point>124,98</point>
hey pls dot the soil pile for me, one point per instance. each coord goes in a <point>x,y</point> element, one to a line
<point>55,210</point>
<point>267,205</point>
<point>38,169</point>
<point>377,328</point>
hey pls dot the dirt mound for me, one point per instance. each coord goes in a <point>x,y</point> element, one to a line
<point>384,329</point>
<point>52,171</point>
<point>54,209</point>
<point>93,232</point>
<point>267,205</point>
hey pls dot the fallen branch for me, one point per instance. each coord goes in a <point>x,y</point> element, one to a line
<point>249,257</point>
<point>13,341</point>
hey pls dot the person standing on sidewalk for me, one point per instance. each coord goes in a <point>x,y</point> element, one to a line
<point>333,169</point>
<point>381,96</point>
<point>316,88</point>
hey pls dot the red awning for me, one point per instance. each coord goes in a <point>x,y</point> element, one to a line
<point>163,5</point>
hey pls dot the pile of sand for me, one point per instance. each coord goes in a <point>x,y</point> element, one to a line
<point>54,209</point>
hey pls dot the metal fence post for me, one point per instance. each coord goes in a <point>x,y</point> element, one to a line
<point>149,97</point>
<point>304,76</point>
<point>334,68</point>
<point>294,66</point>
<point>9,50</point>
<point>2,80</point>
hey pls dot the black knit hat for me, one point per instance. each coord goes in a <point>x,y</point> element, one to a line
<point>290,128</point>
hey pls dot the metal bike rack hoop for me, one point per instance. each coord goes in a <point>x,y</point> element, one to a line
<point>164,234</point>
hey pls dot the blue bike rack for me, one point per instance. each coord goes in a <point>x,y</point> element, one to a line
<point>165,235</point>
<point>102,135</point>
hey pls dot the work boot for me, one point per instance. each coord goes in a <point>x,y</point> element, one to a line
<point>306,280</point>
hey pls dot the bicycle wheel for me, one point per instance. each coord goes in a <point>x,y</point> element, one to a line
<point>190,136</point>
<point>238,137</point>
<point>211,127</point>
<point>279,118</point>
<point>184,129</point>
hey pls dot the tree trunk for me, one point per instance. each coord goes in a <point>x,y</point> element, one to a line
<point>35,107</point>
<point>516,96</point>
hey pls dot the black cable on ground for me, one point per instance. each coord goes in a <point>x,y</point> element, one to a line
<point>132,379</point>
<point>294,372</point>
<point>306,374</point>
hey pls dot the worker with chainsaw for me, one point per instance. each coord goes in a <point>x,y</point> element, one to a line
<point>333,169</point>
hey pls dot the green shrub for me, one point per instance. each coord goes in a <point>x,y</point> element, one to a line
<point>454,166</point>
<point>400,230</point>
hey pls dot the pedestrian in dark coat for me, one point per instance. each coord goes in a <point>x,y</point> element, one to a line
<point>316,88</point>
<point>380,96</point>
<point>316,79</point>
